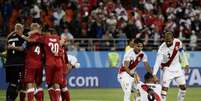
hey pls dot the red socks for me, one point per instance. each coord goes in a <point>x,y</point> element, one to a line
<point>39,95</point>
<point>65,95</point>
<point>30,94</point>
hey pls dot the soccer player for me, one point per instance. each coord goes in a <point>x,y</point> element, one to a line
<point>126,73</point>
<point>149,91</point>
<point>53,63</point>
<point>168,60</point>
<point>69,62</point>
<point>130,45</point>
<point>33,65</point>
<point>14,62</point>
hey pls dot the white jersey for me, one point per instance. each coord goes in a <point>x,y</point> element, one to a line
<point>134,59</point>
<point>166,54</point>
<point>73,61</point>
<point>156,91</point>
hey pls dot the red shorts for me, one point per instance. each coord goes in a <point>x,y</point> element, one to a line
<point>33,75</point>
<point>53,75</point>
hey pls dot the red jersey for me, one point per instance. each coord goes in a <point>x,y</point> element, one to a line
<point>51,48</point>
<point>63,56</point>
<point>34,52</point>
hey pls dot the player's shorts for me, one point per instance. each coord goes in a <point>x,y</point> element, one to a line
<point>33,75</point>
<point>54,75</point>
<point>168,76</point>
<point>64,83</point>
<point>14,74</point>
<point>126,81</point>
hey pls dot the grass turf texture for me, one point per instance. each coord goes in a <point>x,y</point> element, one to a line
<point>115,94</point>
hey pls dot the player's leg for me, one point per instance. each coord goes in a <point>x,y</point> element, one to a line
<point>65,94</point>
<point>49,79</point>
<point>182,87</point>
<point>57,80</point>
<point>12,79</point>
<point>126,84</point>
<point>29,79</point>
<point>39,94</point>
<point>22,85</point>
<point>11,92</point>
<point>134,87</point>
<point>165,82</point>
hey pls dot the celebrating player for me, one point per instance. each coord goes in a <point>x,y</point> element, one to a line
<point>168,60</point>
<point>15,62</point>
<point>33,64</point>
<point>126,73</point>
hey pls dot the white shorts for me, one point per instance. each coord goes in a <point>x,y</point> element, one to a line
<point>126,81</point>
<point>168,76</point>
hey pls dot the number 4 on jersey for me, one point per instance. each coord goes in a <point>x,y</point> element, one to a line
<point>37,50</point>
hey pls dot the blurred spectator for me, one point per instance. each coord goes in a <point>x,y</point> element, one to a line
<point>193,41</point>
<point>35,12</point>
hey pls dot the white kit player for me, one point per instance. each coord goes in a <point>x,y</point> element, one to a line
<point>149,91</point>
<point>73,61</point>
<point>126,73</point>
<point>168,61</point>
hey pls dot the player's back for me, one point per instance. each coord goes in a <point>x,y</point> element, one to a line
<point>34,51</point>
<point>144,88</point>
<point>51,47</point>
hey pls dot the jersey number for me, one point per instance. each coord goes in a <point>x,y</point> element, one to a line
<point>54,47</point>
<point>37,50</point>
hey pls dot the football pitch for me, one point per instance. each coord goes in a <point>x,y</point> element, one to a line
<point>115,94</point>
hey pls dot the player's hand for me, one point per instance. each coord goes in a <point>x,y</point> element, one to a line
<point>156,79</point>
<point>10,47</point>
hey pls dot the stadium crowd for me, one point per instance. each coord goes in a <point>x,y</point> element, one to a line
<point>107,19</point>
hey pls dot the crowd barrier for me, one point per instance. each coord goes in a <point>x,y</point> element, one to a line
<point>107,78</point>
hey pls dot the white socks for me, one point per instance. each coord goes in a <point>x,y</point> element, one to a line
<point>181,95</point>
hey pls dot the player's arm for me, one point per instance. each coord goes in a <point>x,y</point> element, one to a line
<point>17,48</point>
<point>28,39</point>
<point>146,64</point>
<point>126,67</point>
<point>147,67</point>
<point>157,65</point>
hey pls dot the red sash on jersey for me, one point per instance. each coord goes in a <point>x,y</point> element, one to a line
<point>134,64</point>
<point>176,48</point>
<point>146,88</point>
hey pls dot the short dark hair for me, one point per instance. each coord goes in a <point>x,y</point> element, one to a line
<point>148,76</point>
<point>137,40</point>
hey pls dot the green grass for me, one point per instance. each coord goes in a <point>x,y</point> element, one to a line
<point>110,94</point>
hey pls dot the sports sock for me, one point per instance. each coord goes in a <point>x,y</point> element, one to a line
<point>65,94</point>
<point>39,94</point>
<point>181,95</point>
<point>30,94</point>
<point>57,93</point>
<point>51,94</point>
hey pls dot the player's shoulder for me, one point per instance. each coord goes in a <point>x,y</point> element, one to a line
<point>162,46</point>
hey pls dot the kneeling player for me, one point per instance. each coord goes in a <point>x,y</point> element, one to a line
<point>148,90</point>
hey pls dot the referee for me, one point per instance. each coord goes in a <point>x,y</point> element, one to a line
<point>14,62</point>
